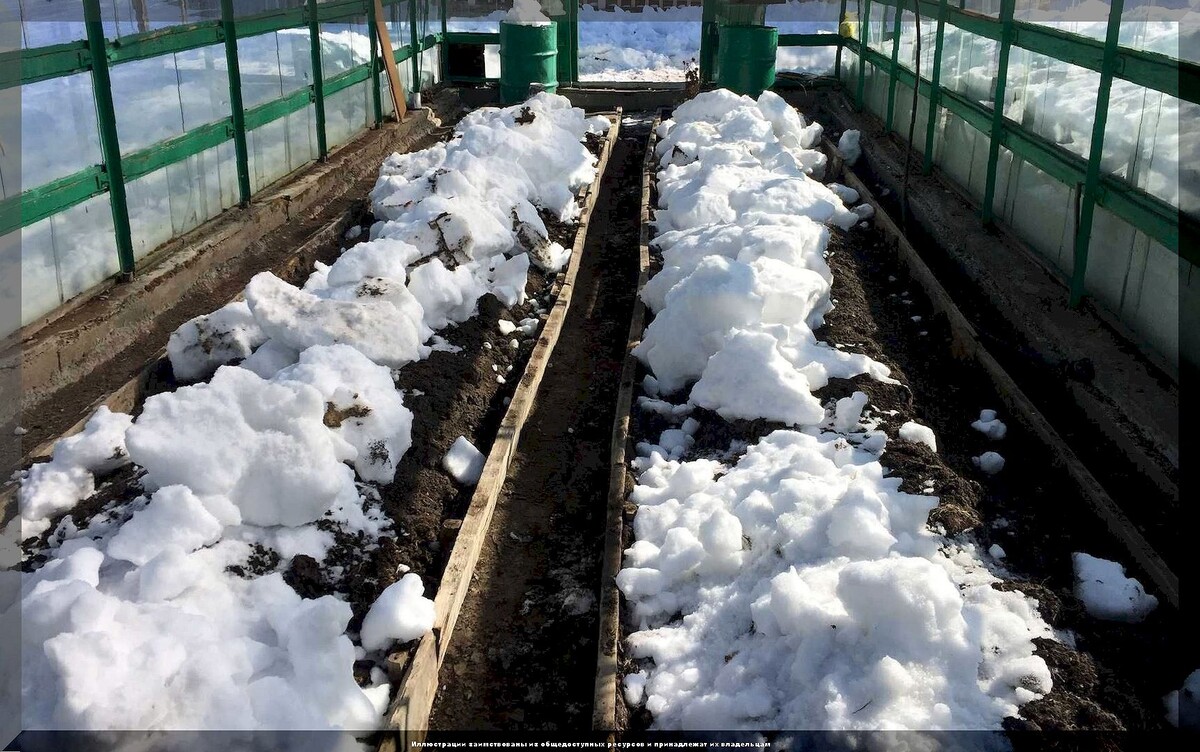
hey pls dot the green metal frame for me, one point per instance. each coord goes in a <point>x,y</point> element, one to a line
<point>1007,8</point>
<point>117,170</point>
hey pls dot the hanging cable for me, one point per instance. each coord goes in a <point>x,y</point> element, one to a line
<point>912,120</point>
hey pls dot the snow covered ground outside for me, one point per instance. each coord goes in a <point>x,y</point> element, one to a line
<point>169,610</point>
<point>789,583</point>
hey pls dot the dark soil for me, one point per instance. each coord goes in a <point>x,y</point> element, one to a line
<point>524,650</point>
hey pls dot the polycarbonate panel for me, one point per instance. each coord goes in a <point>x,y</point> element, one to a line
<point>346,114</point>
<point>149,202</point>
<point>204,79</point>
<point>259,61</point>
<point>1144,143</point>
<point>969,65</point>
<point>344,45</point>
<point>148,102</point>
<point>817,61</point>
<point>1088,19</point>
<point>40,292</point>
<point>84,246</point>
<point>58,135</point>
<point>1052,99</point>
<point>267,145</point>
<point>295,59</point>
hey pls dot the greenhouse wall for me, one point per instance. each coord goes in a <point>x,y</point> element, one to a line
<point>1111,223</point>
<point>153,145</point>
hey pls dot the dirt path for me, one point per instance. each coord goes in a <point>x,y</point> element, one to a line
<point>523,655</point>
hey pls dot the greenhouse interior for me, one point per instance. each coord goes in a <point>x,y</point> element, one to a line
<point>807,374</point>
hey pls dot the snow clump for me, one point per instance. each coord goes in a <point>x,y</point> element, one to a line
<point>1107,593</point>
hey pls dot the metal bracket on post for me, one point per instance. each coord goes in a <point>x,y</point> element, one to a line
<point>237,110</point>
<point>1091,185</point>
<point>989,192</point>
<point>935,88</point>
<point>110,144</point>
<point>318,83</point>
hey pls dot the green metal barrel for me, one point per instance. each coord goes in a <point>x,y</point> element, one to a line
<point>528,55</point>
<point>746,58</point>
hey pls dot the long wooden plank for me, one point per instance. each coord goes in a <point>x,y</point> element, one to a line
<point>968,346</point>
<point>604,708</point>
<point>395,85</point>
<point>408,717</point>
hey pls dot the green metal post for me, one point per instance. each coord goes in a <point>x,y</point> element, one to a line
<point>891,100</point>
<point>935,89</point>
<point>863,46</point>
<point>837,59</point>
<point>1087,206</point>
<point>318,84</point>
<point>237,110</point>
<point>444,53</point>
<point>708,40</point>
<point>110,144</point>
<point>416,49</point>
<point>373,67</point>
<point>1006,34</point>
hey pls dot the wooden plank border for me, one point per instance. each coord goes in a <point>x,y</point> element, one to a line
<point>604,708</point>
<point>408,717</point>
<point>966,345</point>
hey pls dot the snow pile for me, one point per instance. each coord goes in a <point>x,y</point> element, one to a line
<point>170,611</point>
<point>1107,593</point>
<point>526,13</point>
<point>261,444</point>
<point>227,334</point>
<point>464,462</point>
<point>814,596</point>
<point>68,478</point>
<point>744,282</point>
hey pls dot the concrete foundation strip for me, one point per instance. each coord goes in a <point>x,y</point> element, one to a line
<point>604,709</point>
<point>967,346</point>
<point>408,717</point>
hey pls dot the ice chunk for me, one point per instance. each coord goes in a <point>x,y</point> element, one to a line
<point>1107,593</point>
<point>913,431</point>
<point>847,412</point>
<point>464,462</point>
<point>400,614</point>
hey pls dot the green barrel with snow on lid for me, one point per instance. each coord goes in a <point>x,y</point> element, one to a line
<point>746,58</point>
<point>528,57</point>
